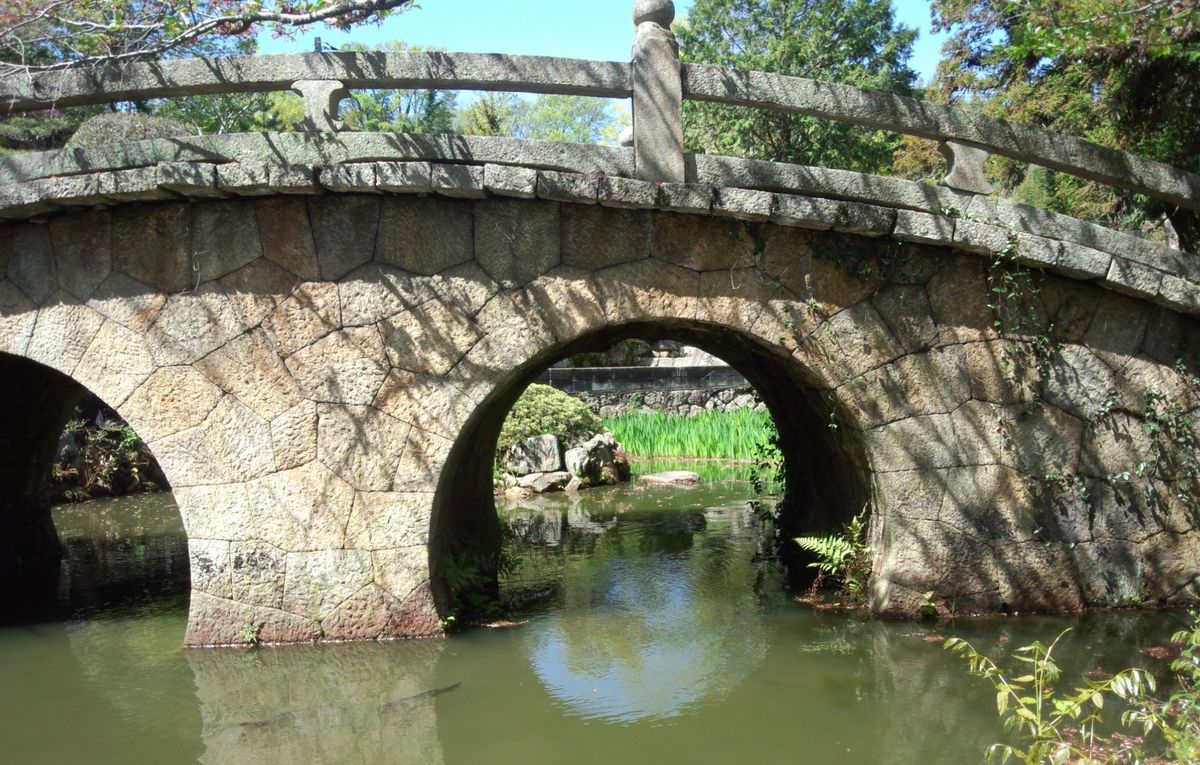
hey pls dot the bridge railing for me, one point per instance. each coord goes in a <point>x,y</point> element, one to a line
<point>655,80</point>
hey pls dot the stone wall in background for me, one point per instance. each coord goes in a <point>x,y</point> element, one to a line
<point>681,402</point>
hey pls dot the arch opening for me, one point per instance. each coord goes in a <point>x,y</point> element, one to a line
<point>825,465</point>
<point>59,553</point>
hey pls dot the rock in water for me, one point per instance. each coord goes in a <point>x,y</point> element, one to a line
<point>540,454</point>
<point>672,477</point>
<point>547,482</point>
<point>598,461</point>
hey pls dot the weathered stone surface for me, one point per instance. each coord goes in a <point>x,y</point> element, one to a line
<point>467,287</point>
<point>210,565</point>
<point>930,383</point>
<point>597,461</point>
<point>82,251</point>
<point>958,295</point>
<point>305,508</point>
<point>426,401</point>
<point>514,327</point>
<point>906,310</point>
<point>702,244</point>
<point>224,238</point>
<point>287,239</point>
<point>915,443</point>
<point>257,574</point>
<point>399,572</point>
<point>318,582</point>
<point>540,454</point>
<point>63,332</point>
<point>422,461</point>
<point>151,243</point>
<point>566,299</point>
<point>309,314</point>
<point>425,236</point>
<point>509,181</point>
<point>115,364</point>
<point>256,290</point>
<point>1043,441</point>
<point>193,324</point>
<point>849,344</point>
<point>345,367</point>
<point>172,399</point>
<point>923,228</point>
<point>127,302</point>
<point>597,237</point>
<point>31,261</point>
<point>430,338</point>
<point>382,521</point>
<point>544,483</point>
<point>294,436</point>
<point>671,478</point>
<point>1078,381</point>
<point>515,242</point>
<point>216,621</point>
<point>375,292</point>
<point>344,230</point>
<point>361,444</point>
<point>999,372</point>
<point>250,369</point>
<point>233,443</point>
<point>648,289</point>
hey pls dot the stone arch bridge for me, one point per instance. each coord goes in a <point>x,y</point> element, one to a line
<point>319,333</point>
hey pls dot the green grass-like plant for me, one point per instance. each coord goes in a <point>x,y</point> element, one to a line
<point>736,435</point>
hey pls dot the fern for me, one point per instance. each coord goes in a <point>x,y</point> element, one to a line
<point>843,557</point>
<point>831,552</point>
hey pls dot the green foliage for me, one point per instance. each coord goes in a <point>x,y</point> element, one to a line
<point>1052,726</point>
<point>851,41</point>
<point>235,112</point>
<point>739,434</point>
<point>844,557</point>
<point>400,111</point>
<point>1115,72</point>
<point>542,409</point>
<point>577,119</point>
<point>767,469</point>
<point>111,461</point>
<point>1176,719</point>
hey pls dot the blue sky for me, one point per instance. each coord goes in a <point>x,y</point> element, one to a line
<point>595,29</point>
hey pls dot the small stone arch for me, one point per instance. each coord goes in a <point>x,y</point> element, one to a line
<point>828,477</point>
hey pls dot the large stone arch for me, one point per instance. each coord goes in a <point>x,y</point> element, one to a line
<point>303,367</point>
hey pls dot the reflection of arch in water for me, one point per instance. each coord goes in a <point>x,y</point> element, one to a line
<point>826,471</point>
<point>39,401</point>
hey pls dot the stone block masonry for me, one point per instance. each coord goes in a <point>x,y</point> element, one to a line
<point>322,379</point>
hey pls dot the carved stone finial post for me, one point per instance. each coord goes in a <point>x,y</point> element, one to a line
<point>657,94</point>
<point>965,168</point>
<point>321,99</point>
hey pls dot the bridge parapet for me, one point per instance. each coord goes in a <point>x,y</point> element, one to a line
<point>656,82</point>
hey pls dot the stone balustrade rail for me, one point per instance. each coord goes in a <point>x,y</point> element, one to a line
<point>655,80</point>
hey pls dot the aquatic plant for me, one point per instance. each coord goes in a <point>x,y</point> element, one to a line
<point>717,435</point>
<point>1056,726</point>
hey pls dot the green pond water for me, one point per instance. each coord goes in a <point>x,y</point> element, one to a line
<point>659,632</point>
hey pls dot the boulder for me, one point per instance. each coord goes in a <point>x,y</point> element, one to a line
<point>672,478</point>
<point>598,461</point>
<point>541,483</point>
<point>540,454</point>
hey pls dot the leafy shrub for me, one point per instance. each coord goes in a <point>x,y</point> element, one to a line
<point>542,409</point>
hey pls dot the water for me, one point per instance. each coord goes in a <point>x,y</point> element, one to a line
<point>658,632</point>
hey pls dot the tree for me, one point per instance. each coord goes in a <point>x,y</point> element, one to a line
<point>1121,73</point>
<point>577,119</point>
<point>400,111</point>
<point>47,35</point>
<point>856,42</point>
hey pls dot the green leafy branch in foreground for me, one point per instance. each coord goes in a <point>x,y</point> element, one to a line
<point>1063,726</point>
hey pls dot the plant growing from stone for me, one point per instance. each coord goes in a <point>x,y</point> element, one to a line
<point>844,557</point>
